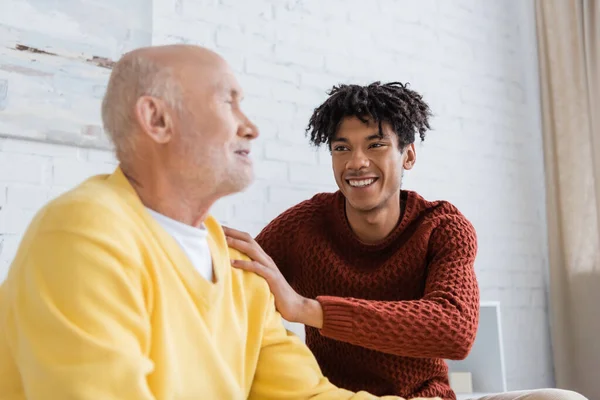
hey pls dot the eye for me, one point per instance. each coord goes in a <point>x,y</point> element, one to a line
<point>376,145</point>
<point>340,148</point>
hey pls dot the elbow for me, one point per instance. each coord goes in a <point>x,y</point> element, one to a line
<point>457,351</point>
<point>461,351</point>
<point>463,335</point>
<point>461,346</point>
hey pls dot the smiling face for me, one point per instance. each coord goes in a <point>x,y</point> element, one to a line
<point>368,164</point>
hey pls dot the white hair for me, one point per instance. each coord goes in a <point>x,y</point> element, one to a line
<point>132,77</point>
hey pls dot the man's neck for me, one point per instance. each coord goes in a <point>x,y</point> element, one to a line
<point>375,225</point>
<point>157,192</point>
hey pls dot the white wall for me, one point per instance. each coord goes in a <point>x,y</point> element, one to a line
<point>474,62</point>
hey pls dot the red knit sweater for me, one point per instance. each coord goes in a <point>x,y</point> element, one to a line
<point>393,310</point>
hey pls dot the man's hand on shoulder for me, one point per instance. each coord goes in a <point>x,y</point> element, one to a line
<point>292,306</point>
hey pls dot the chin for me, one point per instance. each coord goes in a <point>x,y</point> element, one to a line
<point>243,181</point>
<point>235,184</point>
<point>363,206</point>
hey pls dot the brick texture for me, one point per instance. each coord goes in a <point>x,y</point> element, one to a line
<point>473,60</point>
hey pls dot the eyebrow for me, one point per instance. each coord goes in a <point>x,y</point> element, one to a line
<point>225,89</point>
<point>375,136</point>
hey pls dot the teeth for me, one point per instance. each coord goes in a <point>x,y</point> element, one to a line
<point>361,183</point>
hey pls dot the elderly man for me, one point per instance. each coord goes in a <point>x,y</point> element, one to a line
<point>122,287</point>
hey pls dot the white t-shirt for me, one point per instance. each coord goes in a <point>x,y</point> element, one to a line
<point>193,242</point>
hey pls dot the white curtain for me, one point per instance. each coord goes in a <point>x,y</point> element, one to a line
<point>568,41</point>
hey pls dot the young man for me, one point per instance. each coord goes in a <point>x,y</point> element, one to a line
<point>382,278</point>
<point>122,288</point>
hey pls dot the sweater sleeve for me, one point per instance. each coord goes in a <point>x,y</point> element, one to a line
<point>288,370</point>
<point>79,321</point>
<point>442,324</point>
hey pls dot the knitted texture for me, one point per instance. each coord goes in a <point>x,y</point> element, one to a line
<point>392,310</point>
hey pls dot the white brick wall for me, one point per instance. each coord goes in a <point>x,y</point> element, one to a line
<point>473,60</point>
<point>31,173</point>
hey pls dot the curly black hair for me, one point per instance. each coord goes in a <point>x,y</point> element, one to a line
<point>394,103</point>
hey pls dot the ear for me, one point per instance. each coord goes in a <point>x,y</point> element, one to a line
<point>409,157</point>
<point>154,118</point>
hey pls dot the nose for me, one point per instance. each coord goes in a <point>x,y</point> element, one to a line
<point>358,160</point>
<point>247,128</point>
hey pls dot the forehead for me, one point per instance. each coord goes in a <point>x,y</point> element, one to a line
<point>222,75</point>
<point>352,128</point>
<point>211,79</point>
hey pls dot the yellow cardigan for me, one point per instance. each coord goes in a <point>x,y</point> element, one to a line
<point>100,303</point>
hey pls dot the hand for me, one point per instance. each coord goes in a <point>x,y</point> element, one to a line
<point>291,305</point>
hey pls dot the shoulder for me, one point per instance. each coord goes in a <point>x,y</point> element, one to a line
<point>450,216</point>
<point>83,236</point>
<point>445,222</point>
<point>249,279</point>
<point>93,211</point>
<point>254,286</point>
<point>237,255</point>
<point>441,213</point>
<point>455,223</point>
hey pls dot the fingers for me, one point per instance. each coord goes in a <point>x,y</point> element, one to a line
<point>234,233</point>
<point>243,242</point>
<point>253,266</point>
<point>252,250</point>
<point>241,245</point>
